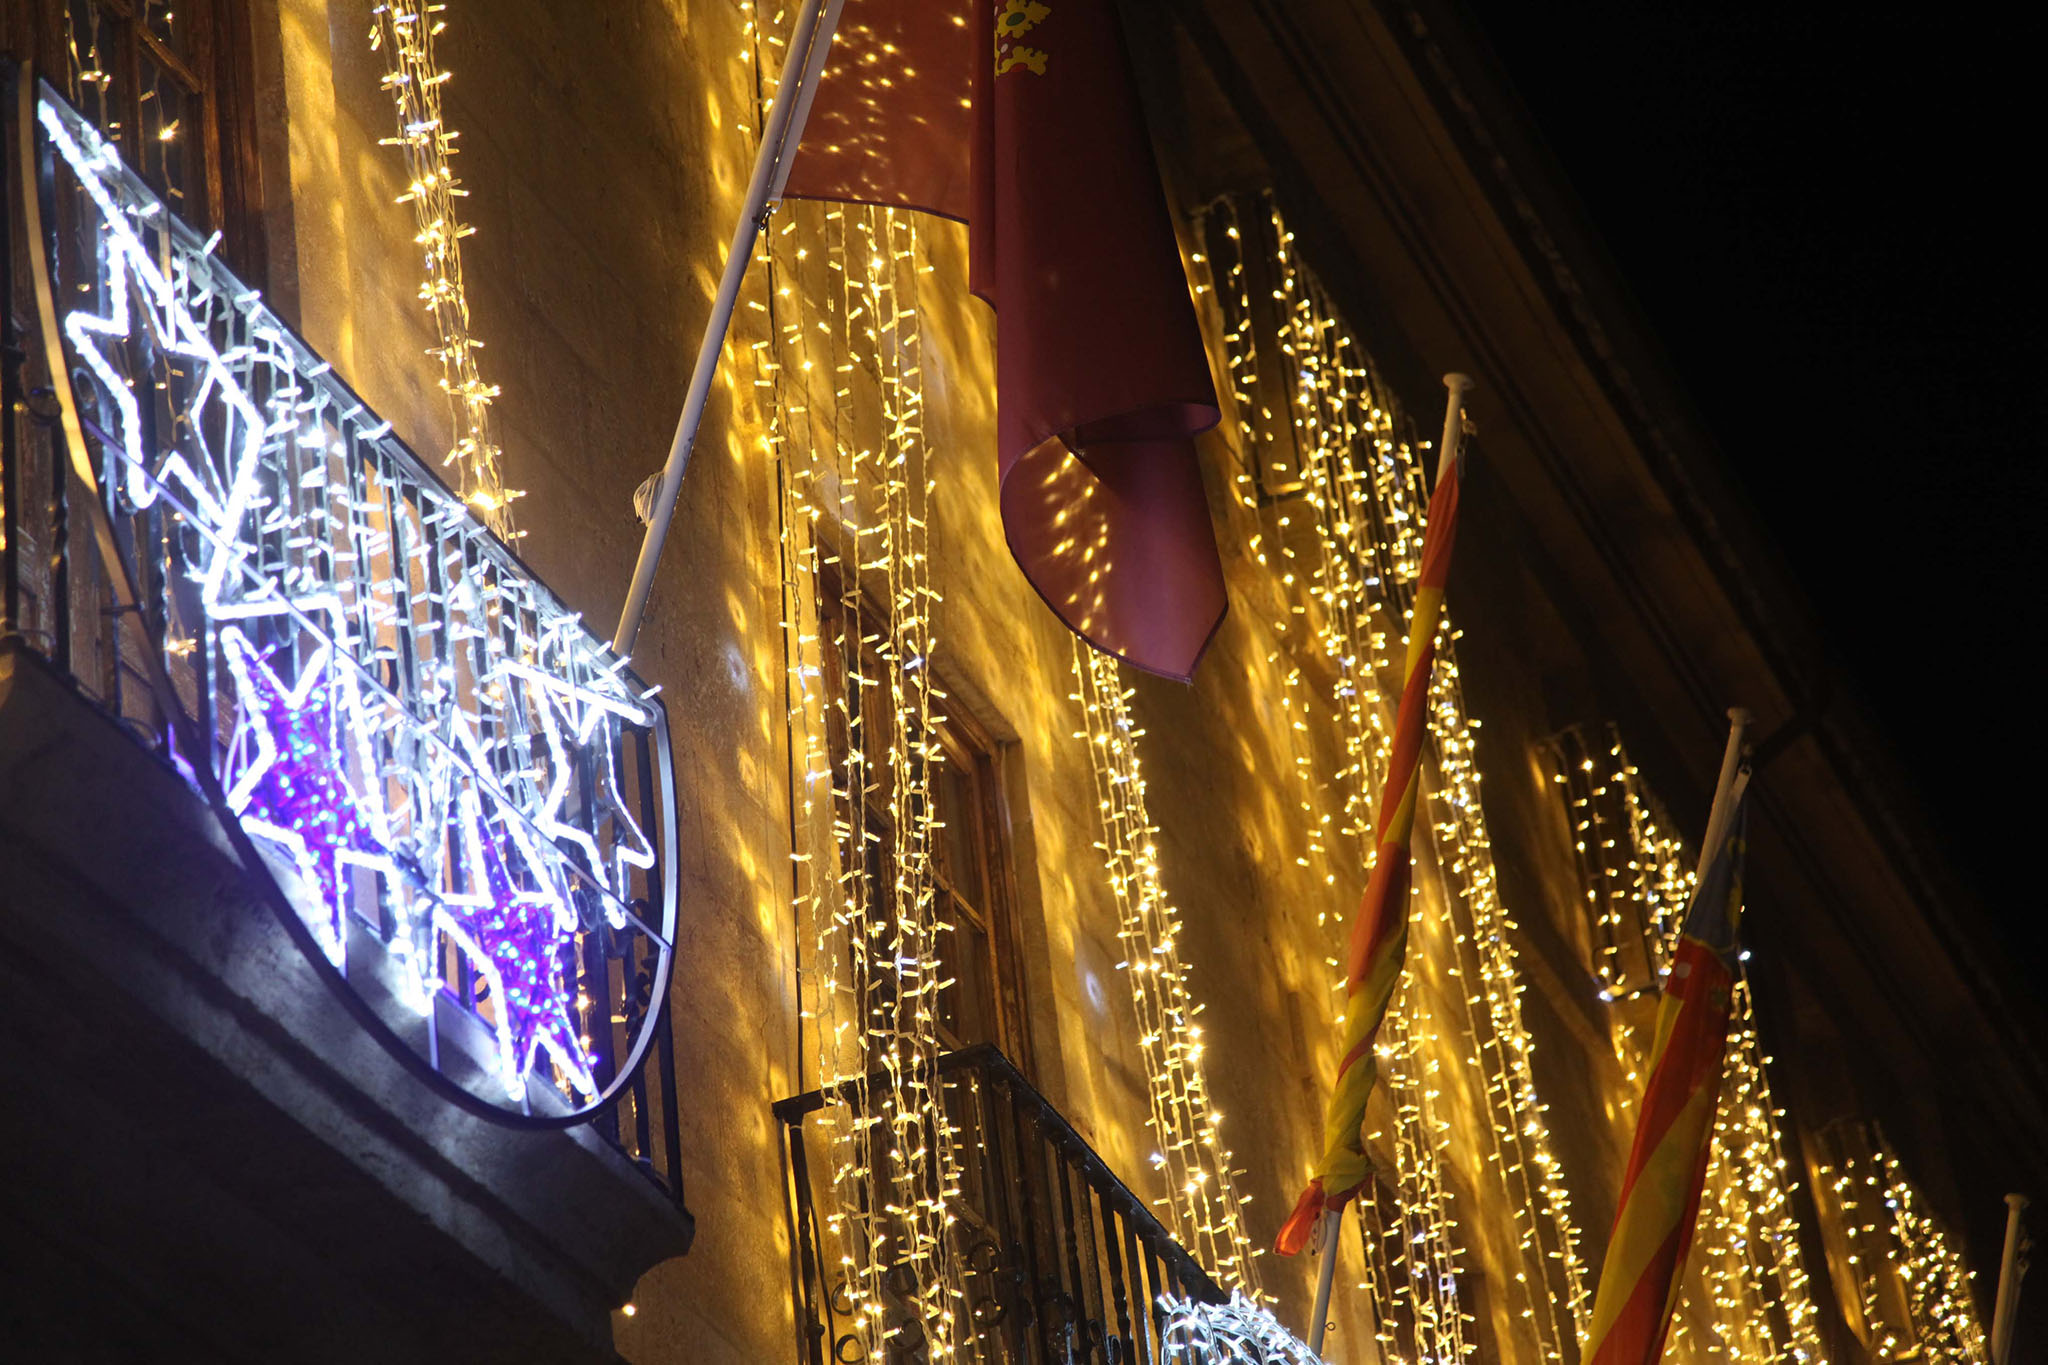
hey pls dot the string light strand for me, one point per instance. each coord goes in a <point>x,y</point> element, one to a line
<point>1202,1200</point>
<point>404,31</point>
<point>1746,1294</point>
<point>842,304</point>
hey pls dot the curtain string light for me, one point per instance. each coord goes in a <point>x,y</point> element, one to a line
<point>842,304</point>
<point>1337,459</point>
<point>1746,1294</point>
<point>404,31</point>
<point>1911,1278</point>
<point>1411,1255</point>
<point>1202,1202</point>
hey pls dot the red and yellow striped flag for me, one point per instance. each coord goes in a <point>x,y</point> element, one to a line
<point>1667,1165</point>
<point>1379,934</point>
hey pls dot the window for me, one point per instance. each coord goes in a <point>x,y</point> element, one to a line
<point>168,81</point>
<point>967,876</point>
<point>982,1005</point>
<point>970,859</point>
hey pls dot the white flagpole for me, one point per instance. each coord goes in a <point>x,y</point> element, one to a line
<point>1452,448</point>
<point>1333,1223</point>
<point>2008,1301</point>
<point>1723,809</point>
<point>808,43</point>
<point>1333,1219</point>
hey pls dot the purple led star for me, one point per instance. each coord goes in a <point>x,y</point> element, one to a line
<point>520,940</point>
<point>293,787</point>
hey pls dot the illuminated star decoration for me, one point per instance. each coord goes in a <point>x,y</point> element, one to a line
<point>517,939</point>
<point>1239,1332</point>
<point>290,783</point>
<point>332,766</point>
<point>581,710</point>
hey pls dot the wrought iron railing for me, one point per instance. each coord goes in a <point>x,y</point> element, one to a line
<point>453,793</point>
<point>1061,1263</point>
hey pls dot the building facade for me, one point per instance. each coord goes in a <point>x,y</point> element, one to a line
<point>897,813</point>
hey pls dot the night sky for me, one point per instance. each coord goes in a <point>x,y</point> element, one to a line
<point>1821,216</point>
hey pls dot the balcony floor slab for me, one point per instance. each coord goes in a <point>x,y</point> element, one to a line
<point>196,1123</point>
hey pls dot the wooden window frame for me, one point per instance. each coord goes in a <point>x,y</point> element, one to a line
<point>218,76</point>
<point>970,750</point>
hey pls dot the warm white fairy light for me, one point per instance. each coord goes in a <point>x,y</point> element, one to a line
<point>1633,869</point>
<point>404,31</point>
<point>1412,1256</point>
<point>1333,497</point>
<point>91,83</point>
<point>1747,1276</point>
<point>1498,1039</point>
<point>1746,1294</point>
<point>841,305</point>
<point>1910,1274</point>
<point>1203,1205</point>
<point>102,38</point>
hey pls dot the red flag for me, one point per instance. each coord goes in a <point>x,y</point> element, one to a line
<point>893,119</point>
<point>1020,117</point>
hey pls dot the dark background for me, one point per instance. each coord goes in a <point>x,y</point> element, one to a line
<point>1822,216</point>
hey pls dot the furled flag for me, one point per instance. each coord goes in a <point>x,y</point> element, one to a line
<point>1667,1165</point>
<point>1379,934</point>
<point>1019,118</point>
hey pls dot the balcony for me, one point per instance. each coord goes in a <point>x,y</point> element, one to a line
<point>337,891</point>
<point>1058,1262</point>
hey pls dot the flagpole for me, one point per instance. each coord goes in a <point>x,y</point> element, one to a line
<point>2007,1304</point>
<point>1452,447</point>
<point>1723,809</point>
<point>1332,1220</point>
<point>808,41</point>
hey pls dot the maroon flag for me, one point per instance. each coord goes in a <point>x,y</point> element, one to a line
<point>893,118</point>
<point>1019,116</point>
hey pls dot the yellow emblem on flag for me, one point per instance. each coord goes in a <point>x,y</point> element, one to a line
<point>1013,21</point>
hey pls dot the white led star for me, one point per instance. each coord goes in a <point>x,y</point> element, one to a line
<point>1239,1332</point>
<point>409,729</point>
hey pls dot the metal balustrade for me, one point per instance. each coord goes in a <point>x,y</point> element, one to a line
<point>454,794</point>
<point>1060,1262</point>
